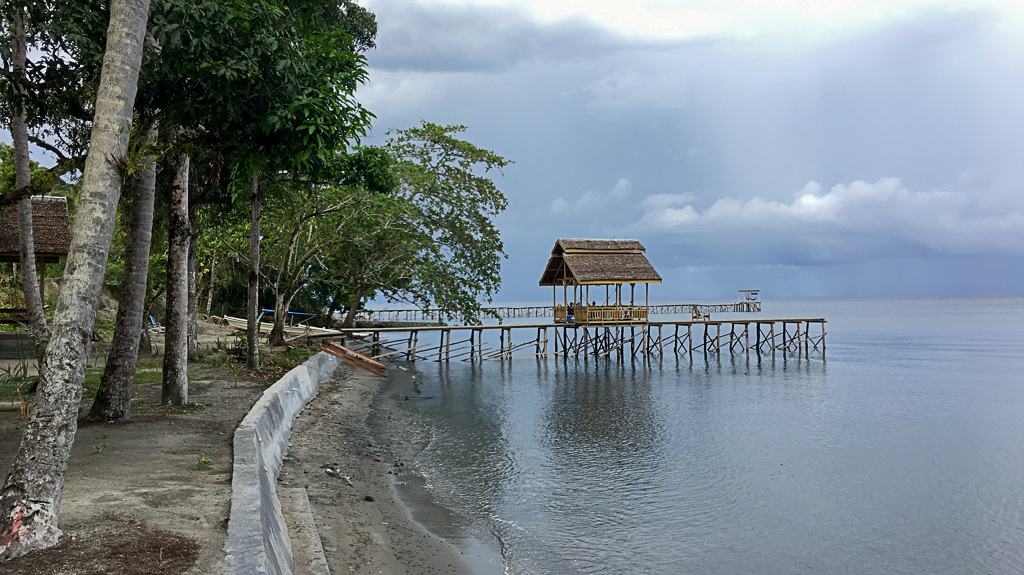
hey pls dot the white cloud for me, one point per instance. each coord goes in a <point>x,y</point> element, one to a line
<point>881,214</point>
<point>593,200</point>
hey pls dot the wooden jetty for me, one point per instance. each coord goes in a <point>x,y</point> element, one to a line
<point>783,337</point>
<point>616,328</point>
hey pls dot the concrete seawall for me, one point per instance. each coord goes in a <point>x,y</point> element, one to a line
<point>258,539</point>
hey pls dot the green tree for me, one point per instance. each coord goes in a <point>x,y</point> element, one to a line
<point>446,186</point>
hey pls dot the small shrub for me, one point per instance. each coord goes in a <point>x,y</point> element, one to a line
<point>299,354</point>
<point>216,359</point>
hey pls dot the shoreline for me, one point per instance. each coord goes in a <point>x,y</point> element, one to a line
<point>363,524</point>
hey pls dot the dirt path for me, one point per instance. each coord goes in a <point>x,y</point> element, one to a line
<point>138,498</point>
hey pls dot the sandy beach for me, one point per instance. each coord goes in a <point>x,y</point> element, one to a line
<point>363,526</point>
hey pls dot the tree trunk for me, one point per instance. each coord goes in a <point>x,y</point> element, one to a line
<point>113,400</point>
<point>357,297</point>
<point>31,496</point>
<point>252,332</point>
<point>193,288</point>
<point>175,388</point>
<point>213,269</point>
<point>276,336</point>
<point>22,176</point>
<point>333,307</point>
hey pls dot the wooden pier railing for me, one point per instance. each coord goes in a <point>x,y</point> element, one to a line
<point>547,311</point>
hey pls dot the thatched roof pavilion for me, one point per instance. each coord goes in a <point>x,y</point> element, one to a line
<point>585,263</point>
<point>50,229</point>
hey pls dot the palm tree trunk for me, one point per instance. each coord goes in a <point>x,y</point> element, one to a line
<point>175,388</point>
<point>31,496</point>
<point>22,177</point>
<point>252,332</point>
<point>113,400</point>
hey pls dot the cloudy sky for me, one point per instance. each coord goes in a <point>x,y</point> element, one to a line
<point>803,147</point>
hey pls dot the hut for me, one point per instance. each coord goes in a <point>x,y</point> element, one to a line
<point>51,231</point>
<point>586,264</point>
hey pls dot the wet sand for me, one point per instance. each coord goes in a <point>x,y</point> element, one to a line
<point>362,524</point>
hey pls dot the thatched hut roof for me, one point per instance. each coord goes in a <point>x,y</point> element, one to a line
<point>598,262</point>
<point>50,229</point>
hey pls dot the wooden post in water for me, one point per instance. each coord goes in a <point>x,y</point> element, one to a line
<point>807,340</point>
<point>689,341</point>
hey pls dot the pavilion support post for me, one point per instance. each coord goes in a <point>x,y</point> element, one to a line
<point>807,340</point>
<point>689,341</point>
<point>675,341</point>
<point>472,347</point>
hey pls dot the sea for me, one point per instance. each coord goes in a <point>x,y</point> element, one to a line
<point>898,450</point>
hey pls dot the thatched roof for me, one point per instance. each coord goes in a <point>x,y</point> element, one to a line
<point>595,246</point>
<point>598,262</point>
<point>50,229</point>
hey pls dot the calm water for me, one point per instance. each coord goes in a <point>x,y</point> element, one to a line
<point>903,452</point>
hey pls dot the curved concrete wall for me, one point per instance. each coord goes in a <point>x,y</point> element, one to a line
<point>257,536</point>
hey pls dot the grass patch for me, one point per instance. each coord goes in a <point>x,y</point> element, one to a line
<point>104,328</point>
<point>190,407</point>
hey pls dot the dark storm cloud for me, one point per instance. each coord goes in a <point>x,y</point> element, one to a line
<point>445,38</point>
<point>879,163</point>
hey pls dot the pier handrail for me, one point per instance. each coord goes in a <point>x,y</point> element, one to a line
<point>505,312</point>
